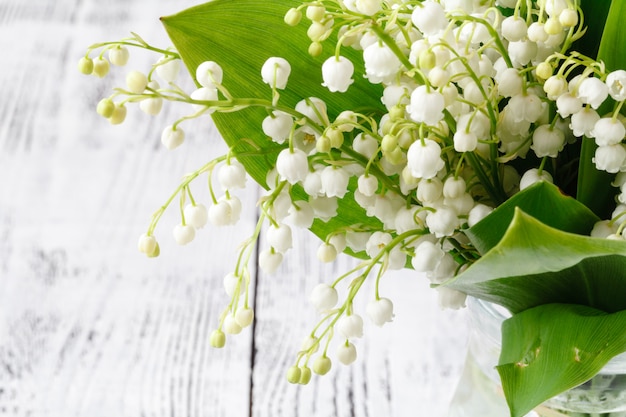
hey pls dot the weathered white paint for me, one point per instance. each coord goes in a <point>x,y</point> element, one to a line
<point>90,328</point>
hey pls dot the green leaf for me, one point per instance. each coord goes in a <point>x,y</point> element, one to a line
<point>535,264</point>
<point>240,35</point>
<point>543,201</point>
<point>555,347</point>
<point>594,187</point>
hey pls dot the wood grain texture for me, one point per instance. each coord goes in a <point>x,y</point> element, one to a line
<point>90,328</point>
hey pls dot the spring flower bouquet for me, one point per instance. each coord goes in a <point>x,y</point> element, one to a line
<point>478,142</point>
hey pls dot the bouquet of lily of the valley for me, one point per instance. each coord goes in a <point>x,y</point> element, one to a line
<point>479,142</point>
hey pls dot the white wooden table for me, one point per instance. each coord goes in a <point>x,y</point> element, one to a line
<point>91,328</point>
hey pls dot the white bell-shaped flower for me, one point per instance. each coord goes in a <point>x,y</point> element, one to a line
<point>277,126</point>
<point>380,311</point>
<point>424,159</point>
<point>477,213</point>
<point>147,244</point>
<point>526,107</point>
<point>426,106</point>
<point>312,184</point>
<point>583,122</point>
<point>465,141</point>
<point>275,72</point>
<point>172,138</point>
<point>608,131</point>
<point>269,261</point>
<point>168,69</point>
<point>209,74</point>
<point>555,86</point>
<point>292,166</point>
<point>196,215</point>
<point>376,243</point>
<point>381,63</point>
<point>184,233</point>
<point>325,208</point>
<point>365,144</point>
<point>429,17</point>
<point>450,298</point>
<point>232,175</point>
<point>532,176</point>
<point>280,237</point>
<point>593,91</point>
<point>537,32</point>
<point>568,104</point>
<point>367,184</point>
<point>521,52</point>
<point>350,326</point>
<point>324,297</point>
<point>337,74</point>
<point>443,222</point>
<point>368,7</point>
<point>610,158</point>
<point>427,256</point>
<point>203,94</point>
<point>616,83</point>
<point>454,187</point>
<point>231,283</point>
<point>326,252</point>
<point>429,191</point>
<point>509,82</point>
<point>313,108</point>
<point>514,28</point>
<point>346,353</point>
<point>301,215</point>
<point>230,325</point>
<point>547,141</point>
<point>335,181</point>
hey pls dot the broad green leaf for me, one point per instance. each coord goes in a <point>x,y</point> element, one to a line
<point>240,35</point>
<point>543,201</point>
<point>535,264</point>
<point>594,189</point>
<point>555,347</point>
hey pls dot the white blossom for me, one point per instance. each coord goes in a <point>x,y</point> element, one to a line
<point>616,83</point>
<point>583,122</point>
<point>424,159</point>
<point>367,184</point>
<point>292,166</point>
<point>346,353</point>
<point>547,141</point>
<point>610,158</point>
<point>514,28</point>
<point>477,213</point>
<point>277,126</point>
<point>337,74</point>
<point>313,108</point>
<point>324,297</point>
<point>593,91</point>
<point>326,252</point>
<point>325,208</point>
<point>426,106</point>
<point>196,215</point>
<point>443,222</point>
<point>427,256</point>
<point>335,181</point>
<point>608,131</point>
<point>380,311</point>
<point>172,138</point>
<point>381,63</point>
<point>429,18</point>
<point>450,298</point>
<point>280,237</point>
<point>532,176</point>
<point>209,74</point>
<point>350,326</point>
<point>269,261</point>
<point>184,233</point>
<point>232,175</point>
<point>275,72</point>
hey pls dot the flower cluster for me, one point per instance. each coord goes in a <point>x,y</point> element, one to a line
<point>479,100</point>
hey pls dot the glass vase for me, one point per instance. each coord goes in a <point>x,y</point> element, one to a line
<point>479,393</point>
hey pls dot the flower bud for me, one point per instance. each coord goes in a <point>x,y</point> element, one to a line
<point>293,375</point>
<point>315,13</point>
<point>147,244</point>
<point>85,65</point>
<point>293,16</point>
<point>119,55</point>
<point>217,339</point>
<point>322,365</point>
<point>244,317</point>
<point>105,108</point>
<point>100,67</point>
<point>231,326</point>
<point>136,82</point>
<point>326,252</point>
<point>172,137</point>
<point>305,375</point>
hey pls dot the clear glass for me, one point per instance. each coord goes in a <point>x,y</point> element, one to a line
<point>479,394</point>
